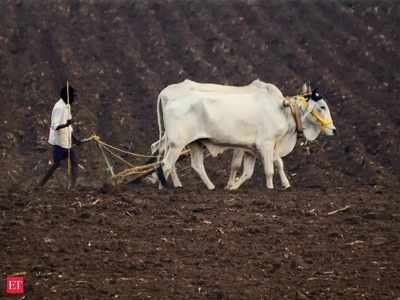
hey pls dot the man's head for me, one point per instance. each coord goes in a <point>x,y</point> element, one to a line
<point>64,94</point>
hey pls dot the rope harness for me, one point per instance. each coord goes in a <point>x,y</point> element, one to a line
<point>133,170</point>
<point>295,103</point>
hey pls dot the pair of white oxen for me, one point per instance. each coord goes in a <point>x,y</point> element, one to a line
<point>250,119</point>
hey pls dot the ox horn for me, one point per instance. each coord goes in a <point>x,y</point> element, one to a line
<point>309,91</point>
<point>304,89</point>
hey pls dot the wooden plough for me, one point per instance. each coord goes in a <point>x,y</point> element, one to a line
<point>132,173</point>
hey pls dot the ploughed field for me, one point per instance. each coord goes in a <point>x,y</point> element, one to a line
<point>334,235</point>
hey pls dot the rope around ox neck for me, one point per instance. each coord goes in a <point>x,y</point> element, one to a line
<point>323,121</point>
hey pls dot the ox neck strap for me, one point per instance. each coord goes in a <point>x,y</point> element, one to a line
<point>309,106</point>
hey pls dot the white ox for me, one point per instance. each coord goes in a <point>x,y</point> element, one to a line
<point>251,118</point>
<point>240,155</point>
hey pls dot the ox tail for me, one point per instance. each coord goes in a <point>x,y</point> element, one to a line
<point>160,172</point>
<point>159,120</point>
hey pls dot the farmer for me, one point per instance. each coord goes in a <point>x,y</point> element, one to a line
<point>61,136</point>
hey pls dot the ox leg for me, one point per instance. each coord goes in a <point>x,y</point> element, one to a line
<point>237,159</point>
<point>153,179</point>
<point>266,150</point>
<point>248,170</point>
<point>197,162</point>
<point>169,161</point>
<point>175,179</point>
<point>281,170</point>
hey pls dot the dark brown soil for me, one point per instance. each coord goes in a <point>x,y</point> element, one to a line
<point>136,242</point>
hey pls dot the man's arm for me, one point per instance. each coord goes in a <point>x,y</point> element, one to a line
<point>69,122</point>
<point>57,119</point>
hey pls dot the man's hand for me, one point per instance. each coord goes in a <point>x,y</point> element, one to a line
<point>76,141</point>
<point>87,139</point>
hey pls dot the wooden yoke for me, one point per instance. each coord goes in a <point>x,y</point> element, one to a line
<point>295,110</point>
<point>294,107</point>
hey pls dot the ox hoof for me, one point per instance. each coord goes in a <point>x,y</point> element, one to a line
<point>211,188</point>
<point>285,187</point>
<point>233,187</point>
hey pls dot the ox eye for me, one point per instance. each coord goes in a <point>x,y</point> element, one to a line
<point>323,107</point>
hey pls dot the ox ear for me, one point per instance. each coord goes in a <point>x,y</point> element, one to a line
<point>306,88</point>
<point>309,91</point>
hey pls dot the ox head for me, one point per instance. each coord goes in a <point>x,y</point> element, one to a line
<point>315,114</point>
